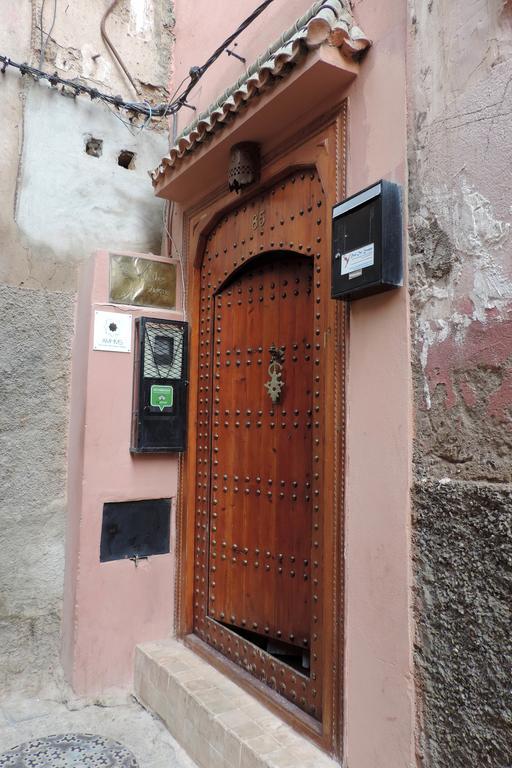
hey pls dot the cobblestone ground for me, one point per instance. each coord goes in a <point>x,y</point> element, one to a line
<point>117,717</point>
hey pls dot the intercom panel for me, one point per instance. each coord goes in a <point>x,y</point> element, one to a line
<point>159,421</point>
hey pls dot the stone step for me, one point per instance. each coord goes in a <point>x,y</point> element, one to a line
<point>218,723</point>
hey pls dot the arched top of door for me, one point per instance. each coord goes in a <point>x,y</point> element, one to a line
<point>258,262</point>
<point>287,217</point>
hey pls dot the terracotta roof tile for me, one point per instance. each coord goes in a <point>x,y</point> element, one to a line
<point>327,21</point>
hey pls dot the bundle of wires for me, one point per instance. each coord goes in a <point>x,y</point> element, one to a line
<point>134,108</point>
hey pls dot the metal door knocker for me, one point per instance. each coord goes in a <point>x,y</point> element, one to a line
<point>275,385</point>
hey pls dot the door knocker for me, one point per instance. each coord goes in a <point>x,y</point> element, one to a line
<point>275,385</point>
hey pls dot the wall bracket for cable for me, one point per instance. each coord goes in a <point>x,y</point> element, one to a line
<point>236,55</point>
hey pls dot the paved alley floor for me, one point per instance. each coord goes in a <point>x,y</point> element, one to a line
<point>118,717</point>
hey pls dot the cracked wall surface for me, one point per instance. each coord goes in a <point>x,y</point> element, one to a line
<point>460,155</point>
<point>59,204</point>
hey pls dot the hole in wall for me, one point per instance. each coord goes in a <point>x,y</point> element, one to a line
<point>93,147</point>
<point>126,159</point>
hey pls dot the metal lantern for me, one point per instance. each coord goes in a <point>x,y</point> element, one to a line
<point>244,165</point>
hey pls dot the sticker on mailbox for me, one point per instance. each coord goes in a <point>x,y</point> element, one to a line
<point>358,259</point>
<point>161,397</point>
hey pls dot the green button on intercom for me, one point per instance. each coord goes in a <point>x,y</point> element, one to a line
<point>161,397</point>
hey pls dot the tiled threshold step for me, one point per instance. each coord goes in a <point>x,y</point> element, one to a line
<point>214,720</point>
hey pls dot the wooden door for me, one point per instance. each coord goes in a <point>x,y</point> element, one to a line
<point>264,475</point>
<point>260,494</point>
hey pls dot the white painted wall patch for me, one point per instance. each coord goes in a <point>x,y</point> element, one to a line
<point>140,16</point>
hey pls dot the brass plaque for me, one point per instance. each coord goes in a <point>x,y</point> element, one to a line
<point>142,282</point>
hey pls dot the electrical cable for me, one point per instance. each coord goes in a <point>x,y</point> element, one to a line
<point>110,45</point>
<point>132,127</point>
<point>173,96</point>
<point>136,108</point>
<point>245,23</point>
<point>168,213</point>
<point>41,24</point>
<point>197,72</point>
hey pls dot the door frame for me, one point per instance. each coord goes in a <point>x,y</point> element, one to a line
<point>323,149</point>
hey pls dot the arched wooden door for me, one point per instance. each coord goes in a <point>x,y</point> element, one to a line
<point>261,463</point>
<point>265,502</point>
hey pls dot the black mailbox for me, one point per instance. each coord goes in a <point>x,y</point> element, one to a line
<point>367,242</point>
<point>159,420</point>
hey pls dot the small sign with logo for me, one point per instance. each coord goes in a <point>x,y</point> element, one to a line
<point>353,262</point>
<point>161,397</point>
<point>112,332</point>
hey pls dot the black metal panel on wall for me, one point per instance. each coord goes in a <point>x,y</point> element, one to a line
<point>135,529</point>
<point>367,242</point>
<point>159,419</point>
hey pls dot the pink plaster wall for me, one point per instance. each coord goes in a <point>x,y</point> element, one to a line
<point>378,668</point>
<point>378,693</point>
<point>108,607</point>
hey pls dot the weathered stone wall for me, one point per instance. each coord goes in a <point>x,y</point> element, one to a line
<point>37,328</point>
<point>59,204</point>
<point>460,99</point>
<point>463,561</point>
